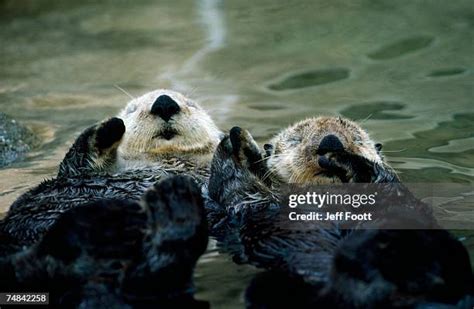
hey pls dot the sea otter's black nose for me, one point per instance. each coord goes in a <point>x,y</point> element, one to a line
<point>330,143</point>
<point>165,107</point>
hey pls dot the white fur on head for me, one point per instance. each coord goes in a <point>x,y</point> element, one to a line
<point>196,133</point>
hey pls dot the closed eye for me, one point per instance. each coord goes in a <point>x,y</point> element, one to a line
<point>191,104</point>
<point>294,140</point>
<point>131,109</point>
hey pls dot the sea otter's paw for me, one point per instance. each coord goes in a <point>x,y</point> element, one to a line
<point>237,168</point>
<point>244,147</point>
<point>176,208</point>
<point>348,167</point>
<point>95,150</point>
<point>351,167</point>
<point>108,134</point>
<point>177,236</point>
<point>246,151</point>
<point>421,265</point>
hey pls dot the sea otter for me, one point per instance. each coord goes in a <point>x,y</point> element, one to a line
<point>160,133</point>
<point>117,253</point>
<point>325,150</point>
<point>246,217</point>
<point>242,202</point>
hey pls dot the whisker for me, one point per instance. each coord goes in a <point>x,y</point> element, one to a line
<point>401,150</point>
<point>269,157</point>
<point>123,90</point>
<point>366,118</point>
<point>273,170</point>
<point>262,159</point>
<point>268,173</point>
<point>190,92</point>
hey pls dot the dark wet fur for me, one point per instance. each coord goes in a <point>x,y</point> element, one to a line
<point>81,180</point>
<point>115,253</point>
<point>333,268</point>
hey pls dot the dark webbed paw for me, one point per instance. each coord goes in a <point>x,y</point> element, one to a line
<point>109,133</point>
<point>347,166</point>
<point>94,150</point>
<point>176,207</point>
<point>350,167</point>
<point>177,236</point>
<point>246,151</point>
<point>336,160</point>
<point>423,265</point>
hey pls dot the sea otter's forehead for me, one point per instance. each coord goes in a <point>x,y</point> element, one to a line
<point>147,100</point>
<point>150,97</point>
<point>317,128</point>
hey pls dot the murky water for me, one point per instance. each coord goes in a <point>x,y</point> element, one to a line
<point>403,68</point>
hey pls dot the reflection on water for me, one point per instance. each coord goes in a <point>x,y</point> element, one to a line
<point>404,69</point>
<point>447,72</point>
<point>312,78</point>
<point>402,47</point>
<point>375,110</point>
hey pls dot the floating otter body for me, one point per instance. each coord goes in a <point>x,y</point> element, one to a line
<point>116,253</point>
<point>161,133</point>
<point>247,209</point>
<point>326,260</point>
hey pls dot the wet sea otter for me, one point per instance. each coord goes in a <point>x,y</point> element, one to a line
<point>336,267</point>
<point>160,133</point>
<point>117,253</point>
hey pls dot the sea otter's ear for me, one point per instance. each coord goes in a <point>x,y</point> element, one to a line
<point>378,147</point>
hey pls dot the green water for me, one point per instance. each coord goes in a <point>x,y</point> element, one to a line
<point>404,69</point>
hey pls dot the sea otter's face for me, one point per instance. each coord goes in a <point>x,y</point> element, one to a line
<point>294,153</point>
<point>164,122</point>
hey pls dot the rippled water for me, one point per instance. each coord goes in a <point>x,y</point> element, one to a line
<point>402,68</point>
